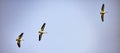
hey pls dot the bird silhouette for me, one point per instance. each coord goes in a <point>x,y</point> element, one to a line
<point>102,13</point>
<point>19,39</point>
<point>41,31</point>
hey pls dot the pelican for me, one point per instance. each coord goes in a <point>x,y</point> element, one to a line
<point>102,13</point>
<point>19,39</point>
<point>42,31</point>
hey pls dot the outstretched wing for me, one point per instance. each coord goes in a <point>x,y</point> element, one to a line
<point>102,9</point>
<point>20,36</point>
<point>18,43</point>
<point>43,26</point>
<point>40,36</point>
<point>102,17</point>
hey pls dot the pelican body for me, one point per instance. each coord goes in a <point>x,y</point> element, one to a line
<point>19,39</point>
<point>102,13</point>
<point>41,32</point>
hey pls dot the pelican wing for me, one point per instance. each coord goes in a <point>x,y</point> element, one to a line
<point>43,26</point>
<point>40,36</point>
<point>20,36</point>
<point>102,17</point>
<point>102,7</point>
<point>18,43</point>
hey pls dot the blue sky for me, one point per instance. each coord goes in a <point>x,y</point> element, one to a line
<point>73,26</point>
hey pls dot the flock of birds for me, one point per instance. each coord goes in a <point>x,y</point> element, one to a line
<point>41,32</point>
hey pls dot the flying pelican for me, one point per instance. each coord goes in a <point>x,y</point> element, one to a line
<point>102,13</point>
<point>19,39</point>
<point>41,31</point>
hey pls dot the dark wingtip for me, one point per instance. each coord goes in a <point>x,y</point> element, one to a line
<point>103,4</point>
<point>102,20</point>
<point>39,39</point>
<point>44,23</point>
<point>22,33</point>
<point>18,45</point>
